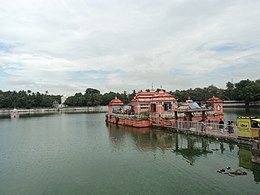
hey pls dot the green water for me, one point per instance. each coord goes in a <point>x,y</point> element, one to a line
<point>80,154</point>
<point>233,113</point>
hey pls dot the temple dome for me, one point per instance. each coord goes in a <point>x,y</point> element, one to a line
<point>215,99</point>
<point>116,102</point>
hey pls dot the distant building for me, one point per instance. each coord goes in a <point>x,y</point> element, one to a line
<point>63,99</point>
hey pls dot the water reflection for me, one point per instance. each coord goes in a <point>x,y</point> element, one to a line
<point>189,147</point>
<point>144,138</point>
<point>245,161</point>
<point>233,113</point>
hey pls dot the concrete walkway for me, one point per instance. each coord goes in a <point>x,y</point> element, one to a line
<point>210,131</point>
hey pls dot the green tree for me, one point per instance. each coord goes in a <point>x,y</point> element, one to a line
<point>247,91</point>
<point>91,90</point>
<point>107,97</point>
<point>229,92</point>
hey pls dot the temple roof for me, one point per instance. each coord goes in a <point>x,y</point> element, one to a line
<point>148,96</point>
<point>215,99</point>
<point>116,102</point>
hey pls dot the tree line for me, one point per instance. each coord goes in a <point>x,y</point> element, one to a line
<point>245,90</point>
<point>28,99</point>
<point>93,97</point>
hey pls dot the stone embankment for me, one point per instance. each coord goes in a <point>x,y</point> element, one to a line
<point>240,104</point>
<point>96,109</point>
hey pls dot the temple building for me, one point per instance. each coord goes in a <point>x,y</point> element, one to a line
<point>153,102</point>
<point>115,106</point>
<point>160,108</point>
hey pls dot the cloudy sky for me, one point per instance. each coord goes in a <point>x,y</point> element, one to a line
<point>66,46</point>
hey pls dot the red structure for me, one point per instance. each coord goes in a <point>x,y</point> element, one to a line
<point>216,104</point>
<point>153,102</point>
<point>115,106</point>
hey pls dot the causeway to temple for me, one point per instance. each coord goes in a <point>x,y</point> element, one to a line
<point>161,109</point>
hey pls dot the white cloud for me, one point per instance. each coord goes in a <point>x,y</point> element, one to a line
<point>126,45</point>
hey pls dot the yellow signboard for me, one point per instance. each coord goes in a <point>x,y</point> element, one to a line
<point>245,129</point>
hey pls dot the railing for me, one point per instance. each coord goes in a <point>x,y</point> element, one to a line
<point>213,127</point>
<point>126,116</point>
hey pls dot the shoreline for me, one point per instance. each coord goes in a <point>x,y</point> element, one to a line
<point>240,104</point>
<point>97,109</point>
